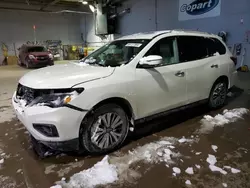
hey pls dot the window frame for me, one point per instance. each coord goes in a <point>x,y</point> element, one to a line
<point>199,37</point>
<point>175,51</point>
<point>216,42</point>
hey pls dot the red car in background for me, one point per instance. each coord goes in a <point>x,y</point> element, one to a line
<point>32,56</point>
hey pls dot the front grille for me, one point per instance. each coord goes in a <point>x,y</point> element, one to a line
<point>29,94</point>
<point>42,58</point>
<point>25,93</point>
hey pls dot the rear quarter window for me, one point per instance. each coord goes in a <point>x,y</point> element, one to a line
<point>220,47</point>
<point>214,45</point>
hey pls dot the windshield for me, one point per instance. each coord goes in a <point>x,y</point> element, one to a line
<point>116,53</point>
<point>37,49</point>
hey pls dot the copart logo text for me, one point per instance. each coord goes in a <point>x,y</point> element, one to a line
<point>199,6</point>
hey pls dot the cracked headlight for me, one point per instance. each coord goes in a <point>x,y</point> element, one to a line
<point>54,100</point>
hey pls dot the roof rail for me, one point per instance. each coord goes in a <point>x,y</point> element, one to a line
<point>192,31</point>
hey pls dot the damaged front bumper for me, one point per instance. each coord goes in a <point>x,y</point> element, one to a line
<point>59,127</point>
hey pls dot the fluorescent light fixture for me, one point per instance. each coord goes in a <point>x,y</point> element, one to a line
<point>92,8</point>
<point>85,2</point>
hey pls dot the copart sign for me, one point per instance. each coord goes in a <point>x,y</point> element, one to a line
<point>196,9</point>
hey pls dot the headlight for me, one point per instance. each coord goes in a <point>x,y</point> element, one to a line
<point>32,57</point>
<point>54,100</point>
<point>51,56</point>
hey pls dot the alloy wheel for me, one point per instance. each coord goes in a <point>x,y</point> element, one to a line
<point>106,131</point>
<point>219,94</point>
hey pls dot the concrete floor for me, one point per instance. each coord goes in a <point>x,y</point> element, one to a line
<point>23,169</point>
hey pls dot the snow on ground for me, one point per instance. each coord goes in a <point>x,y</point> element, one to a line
<point>198,166</point>
<point>235,171</point>
<point>121,169</point>
<point>214,168</point>
<point>227,167</point>
<point>101,173</point>
<point>1,161</point>
<point>7,182</point>
<point>183,140</point>
<point>224,184</point>
<point>176,170</point>
<point>56,186</point>
<point>111,168</point>
<point>197,153</point>
<point>214,147</point>
<point>189,170</point>
<point>188,182</point>
<point>211,159</point>
<point>228,116</point>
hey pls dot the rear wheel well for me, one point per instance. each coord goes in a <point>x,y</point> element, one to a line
<point>123,103</point>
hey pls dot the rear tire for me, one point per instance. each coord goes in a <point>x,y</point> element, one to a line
<point>218,94</point>
<point>104,130</point>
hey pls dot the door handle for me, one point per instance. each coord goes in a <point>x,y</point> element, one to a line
<point>180,74</point>
<point>214,66</point>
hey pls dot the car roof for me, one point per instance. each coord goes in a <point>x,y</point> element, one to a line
<point>144,35</point>
<point>153,34</point>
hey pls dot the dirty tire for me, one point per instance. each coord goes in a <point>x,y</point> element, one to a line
<point>218,94</point>
<point>89,131</point>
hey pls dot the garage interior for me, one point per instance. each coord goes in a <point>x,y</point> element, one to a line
<point>72,29</point>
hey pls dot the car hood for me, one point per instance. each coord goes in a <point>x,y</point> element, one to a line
<point>64,76</point>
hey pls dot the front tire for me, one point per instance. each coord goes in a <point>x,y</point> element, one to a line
<point>105,130</point>
<point>218,94</point>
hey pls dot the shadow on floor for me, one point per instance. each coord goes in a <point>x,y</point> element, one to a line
<point>159,124</point>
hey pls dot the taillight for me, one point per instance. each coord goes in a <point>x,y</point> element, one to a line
<point>234,59</point>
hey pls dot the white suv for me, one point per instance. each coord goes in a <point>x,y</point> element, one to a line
<point>91,105</point>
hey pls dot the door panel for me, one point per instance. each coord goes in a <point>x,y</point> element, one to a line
<point>201,75</point>
<point>160,89</point>
<point>202,64</point>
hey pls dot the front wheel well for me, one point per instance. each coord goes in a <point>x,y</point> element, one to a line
<point>123,103</point>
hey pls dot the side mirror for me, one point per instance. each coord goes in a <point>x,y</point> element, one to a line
<point>150,61</point>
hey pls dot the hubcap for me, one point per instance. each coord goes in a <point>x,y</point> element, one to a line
<point>107,130</point>
<point>219,94</point>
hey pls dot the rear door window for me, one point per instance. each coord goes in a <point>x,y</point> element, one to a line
<point>220,47</point>
<point>192,48</point>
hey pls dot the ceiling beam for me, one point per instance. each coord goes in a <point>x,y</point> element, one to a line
<point>49,4</point>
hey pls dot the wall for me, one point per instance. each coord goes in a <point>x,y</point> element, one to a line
<point>17,27</point>
<point>145,16</point>
<point>150,15</point>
